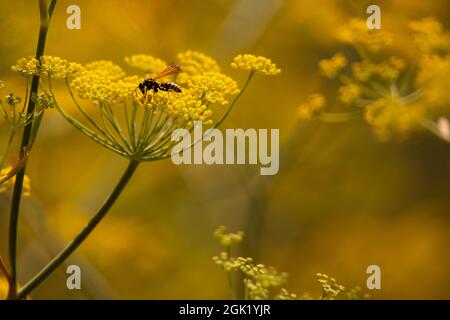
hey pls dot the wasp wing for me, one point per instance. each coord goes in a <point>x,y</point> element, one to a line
<point>172,68</point>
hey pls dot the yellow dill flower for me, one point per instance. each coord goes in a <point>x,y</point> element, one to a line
<point>9,184</point>
<point>255,63</point>
<point>213,87</point>
<point>349,93</point>
<point>390,69</point>
<point>433,77</point>
<point>146,63</point>
<point>429,35</point>
<point>391,116</point>
<point>106,69</point>
<point>314,103</point>
<point>228,239</point>
<point>54,67</point>
<point>356,32</point>
<point>94,86</point>
<point>285,295</point>
<point>362,71</point>
<point>330,288</point>
<point>331,67</point>
<point>26,66</point>
<point>194,63</point>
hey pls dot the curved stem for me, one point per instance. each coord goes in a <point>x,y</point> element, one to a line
<point>45,15</point>
<point>79,239</point>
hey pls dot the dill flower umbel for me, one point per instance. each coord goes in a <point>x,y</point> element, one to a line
<point>255,63</point>
<point>136,125</point>
<point>331,67</point>
<point>395,95</point>
<point>314,103</point>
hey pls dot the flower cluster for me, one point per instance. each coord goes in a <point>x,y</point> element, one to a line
<point>356,33</point>
<point>228,239</point>
<point>396,96</point>
<point>331,67</point>
<point>330,288</point>
<point>255,63</point>
<point>139,124</point>
<point>54,67</point>
<point>146,63</point>
<point>314,103</point>
<point>260,280</point>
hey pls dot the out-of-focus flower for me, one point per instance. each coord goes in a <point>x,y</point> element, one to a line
<point>429,36</point>
<point>256,63</point>
<point>396,96</point>
<point>391,115</point>
<point>9,184</point>
<point>443,128</point>
<point>330,288</point>
<point>356,33</point>
<point>228,239</point>
<point>331,67</point>
<point>349,93</point>
<point>314,103</point>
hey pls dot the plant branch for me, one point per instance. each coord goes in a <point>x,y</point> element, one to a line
<point>79,239</point>
<point>45,15</point>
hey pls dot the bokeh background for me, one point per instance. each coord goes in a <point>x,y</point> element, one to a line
<point>342,200</point>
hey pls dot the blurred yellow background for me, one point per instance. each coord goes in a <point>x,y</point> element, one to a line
<point>342,201</point>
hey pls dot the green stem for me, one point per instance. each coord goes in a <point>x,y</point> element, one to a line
<point>250,76</point>
<point>79,239</point>
<point>45,15</point>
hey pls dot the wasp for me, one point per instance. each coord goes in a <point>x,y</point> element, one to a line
<point>150,84</point>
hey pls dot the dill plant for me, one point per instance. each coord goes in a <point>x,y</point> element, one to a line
<point>136,127</point>
<point>396,94</point>
<point>263,282</point>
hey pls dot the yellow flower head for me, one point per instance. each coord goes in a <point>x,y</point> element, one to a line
<point>356,33</point>
<point>53,67</point>
<point>106,69</point>
<point>213,87</point>
<point>330,287</point>
<point>349,93</point>
<point>146,63</point>
<point>228,239</point>
<point>331,67</point>
<point>313,104</point>
<point>429,35</point>
<point>195,63</point>
<point>434,78</point>
<point>391,116</point>
<point>9,184</point>
<point>255,63</point>
<point>97,88</point>
<point>26,66</point>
